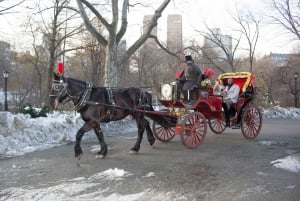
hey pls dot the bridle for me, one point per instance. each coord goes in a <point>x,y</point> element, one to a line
<point>78,99</point>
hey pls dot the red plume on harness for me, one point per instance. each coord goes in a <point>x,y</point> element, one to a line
<point>60,68</point>
<point>209,73</point>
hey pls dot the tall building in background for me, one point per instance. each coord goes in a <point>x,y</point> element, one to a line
<point>174,32</point>
<point>150,42</point>
<point>226,40</point>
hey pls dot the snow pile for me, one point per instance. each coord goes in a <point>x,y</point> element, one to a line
<point>20,134</point>
<point>280,112</point>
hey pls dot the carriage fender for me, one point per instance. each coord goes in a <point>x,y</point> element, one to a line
<point>214,103</point>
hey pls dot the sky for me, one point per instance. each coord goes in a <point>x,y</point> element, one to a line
<point>215,13</point>
<point>20,134</point>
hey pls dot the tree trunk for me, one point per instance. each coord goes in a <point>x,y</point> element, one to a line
<point>112,76</point>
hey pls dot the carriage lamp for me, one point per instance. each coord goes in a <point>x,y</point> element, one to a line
<point>166,92</point>
<point>5,75</point>
<point>296,90</point>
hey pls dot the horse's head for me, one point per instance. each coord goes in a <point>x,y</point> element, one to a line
<point>67,89</point>
<point>59,90</point>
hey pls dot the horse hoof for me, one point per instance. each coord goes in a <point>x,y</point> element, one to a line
<point>132,152</point>
<point>99,156</point>
<point>154,145</point>
<point>79,157</point>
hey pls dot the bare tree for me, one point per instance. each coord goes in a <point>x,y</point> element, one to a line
<point>247,22</point>
<point>52,22</point>
<point>113,65</point>
<point>215,42</point>
<point>6,9</point>
<point>286,14</point>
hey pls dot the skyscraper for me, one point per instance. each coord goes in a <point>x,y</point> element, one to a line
<point>174,32</point>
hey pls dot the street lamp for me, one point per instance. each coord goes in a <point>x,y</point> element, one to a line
<point>5,75</point>
<point>296,92</point>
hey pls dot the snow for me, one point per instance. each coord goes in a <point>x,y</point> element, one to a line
<point>20,134</point>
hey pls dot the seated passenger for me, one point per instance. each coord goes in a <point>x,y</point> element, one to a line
<point>219,87</point>
<point>231,95</point>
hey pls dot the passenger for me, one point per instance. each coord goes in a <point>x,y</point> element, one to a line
<point>192,76</point>
<point>231,95</point>
<point>219,87</point>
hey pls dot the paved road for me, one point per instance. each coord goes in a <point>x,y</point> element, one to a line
<point>224,167</point>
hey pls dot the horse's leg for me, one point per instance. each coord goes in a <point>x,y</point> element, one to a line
<point>103,146</point>
<point>150,136</point>
<point>77,148</point>
<point>141,128</point>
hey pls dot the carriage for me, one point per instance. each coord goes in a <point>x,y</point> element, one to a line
<point>101,105</point>
<point>206,110</point>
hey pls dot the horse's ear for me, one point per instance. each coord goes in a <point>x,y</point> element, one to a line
<point>55,76</point>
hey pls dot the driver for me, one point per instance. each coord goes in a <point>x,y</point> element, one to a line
<point>191,76</point>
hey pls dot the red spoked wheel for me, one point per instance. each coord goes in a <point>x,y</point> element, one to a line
<point>194,128</point>
<point>251,122</point>
<point>217,126</point>
<point>163,134</point>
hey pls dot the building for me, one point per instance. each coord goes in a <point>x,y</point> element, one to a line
<point>150,43</point>
<point>279,60</point>
<point>174,32</point>
<point>219,38</point>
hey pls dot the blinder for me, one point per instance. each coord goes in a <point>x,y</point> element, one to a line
<point>58,86</point>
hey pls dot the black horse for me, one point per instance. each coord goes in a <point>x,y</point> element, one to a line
<point>100,104</point>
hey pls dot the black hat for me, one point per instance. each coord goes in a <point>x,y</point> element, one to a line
<point>188,58</point>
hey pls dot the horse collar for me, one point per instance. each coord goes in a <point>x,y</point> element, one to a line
<point>85,96</point>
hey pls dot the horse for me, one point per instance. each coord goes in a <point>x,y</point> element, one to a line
<point>101,105</point>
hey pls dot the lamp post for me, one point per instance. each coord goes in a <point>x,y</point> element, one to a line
<point>5,75</point>
<point>296,90</point>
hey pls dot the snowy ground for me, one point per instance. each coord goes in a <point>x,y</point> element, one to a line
<point>20,134</point>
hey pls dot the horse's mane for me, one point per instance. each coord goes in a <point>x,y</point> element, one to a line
<point>77,81</point>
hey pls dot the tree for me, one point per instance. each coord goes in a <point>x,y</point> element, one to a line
<point>246,23</point>
<point>286,14</point>
<point>55,34</point>
<point>6,9</point>
<point>216,49</point>
<point>114,34</point>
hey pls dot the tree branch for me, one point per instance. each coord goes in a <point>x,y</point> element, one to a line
<point>123,27</point>
<point>88,23</point>
<point>145,35</point>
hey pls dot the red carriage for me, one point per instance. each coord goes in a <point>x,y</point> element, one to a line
<point>206,110</point>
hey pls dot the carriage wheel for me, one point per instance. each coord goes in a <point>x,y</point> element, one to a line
<point>251,122</point>
<point>217,126</point>
<point>163,134</point>
<point>194,128</point>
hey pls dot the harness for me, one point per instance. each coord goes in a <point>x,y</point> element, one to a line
<point>80,100</point>
<point>84,98</point>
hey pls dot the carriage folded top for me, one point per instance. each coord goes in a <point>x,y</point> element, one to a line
<point>242,79</point>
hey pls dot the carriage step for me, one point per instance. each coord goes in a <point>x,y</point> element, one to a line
<point>235,127</point>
